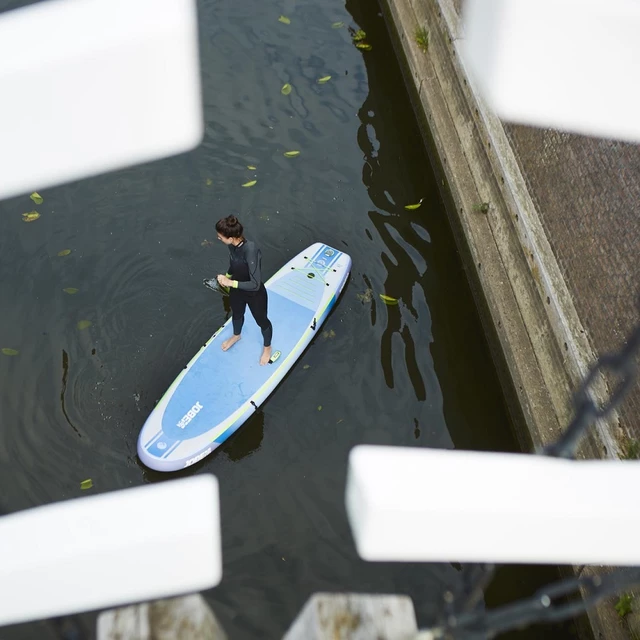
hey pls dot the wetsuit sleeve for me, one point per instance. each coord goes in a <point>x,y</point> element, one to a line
<point>228,274</point>
<point>253,262</point>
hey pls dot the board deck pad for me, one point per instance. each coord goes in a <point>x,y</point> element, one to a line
<point>219,390</point>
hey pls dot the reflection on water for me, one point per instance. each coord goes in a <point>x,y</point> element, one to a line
<point>413,374</point>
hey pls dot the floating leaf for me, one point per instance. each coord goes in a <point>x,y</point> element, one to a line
<point>364,46</point>
<point>206,243</point>
<point>324,79</point>
<point>366,296</point>
<point>329,334</point>
<point>31,216</point>
<point>70,290</point>
<point>388,299</point>
<point>250,183</point>
<point>337,25</point>
<point>411,207</point>
<point>320,407</point>
<point>209,182</point>
<point>64,252</point>
<point>36,197</point>
<point>250,166</point>
<point>284,20</point>
<point>10,352</point>
<point>291,154</point>
<point>359,35</point>
<point>84,324</point>
<point>86,484</point>
<point>306,366</point>
<point>286,89</point>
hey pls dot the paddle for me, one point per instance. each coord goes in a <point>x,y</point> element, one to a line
<point>214,285</point>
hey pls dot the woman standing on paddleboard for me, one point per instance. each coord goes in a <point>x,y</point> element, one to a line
<point>244,280</point>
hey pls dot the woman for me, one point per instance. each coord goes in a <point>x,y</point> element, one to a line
<point>245,283</point>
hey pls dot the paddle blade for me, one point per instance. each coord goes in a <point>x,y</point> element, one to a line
<point>214,285</point>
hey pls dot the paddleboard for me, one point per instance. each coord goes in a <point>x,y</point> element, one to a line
<point>218,391</point>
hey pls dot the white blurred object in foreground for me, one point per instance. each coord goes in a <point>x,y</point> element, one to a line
<point>115,548</point>
<point>432,505</point>
<point>565,64</point>
<point>89,86</point>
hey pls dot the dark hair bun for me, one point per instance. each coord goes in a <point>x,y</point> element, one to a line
<point>229,227</point>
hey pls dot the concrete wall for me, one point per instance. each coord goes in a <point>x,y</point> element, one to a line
<point>539,315</point>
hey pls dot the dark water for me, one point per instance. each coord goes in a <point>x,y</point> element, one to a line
<point>416,374</point>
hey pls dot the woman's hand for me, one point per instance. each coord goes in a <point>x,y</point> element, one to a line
<point>224,281</point>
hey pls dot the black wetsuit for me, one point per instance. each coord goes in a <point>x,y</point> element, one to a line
<point>245,267</point>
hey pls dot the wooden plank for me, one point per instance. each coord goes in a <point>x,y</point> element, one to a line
<point>122,86</point>
<point>352,616</point>
<point>98,539</point>
<point>510,501</point>
<point>170,619</point>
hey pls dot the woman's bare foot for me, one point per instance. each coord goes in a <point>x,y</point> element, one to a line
<point>227,344</point>
<point>266,355</point>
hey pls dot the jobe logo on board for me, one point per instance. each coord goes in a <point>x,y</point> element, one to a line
<point>197,458</point>
<point>189,416</point>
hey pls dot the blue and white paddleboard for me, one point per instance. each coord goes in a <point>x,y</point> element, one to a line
<point>219,390</point>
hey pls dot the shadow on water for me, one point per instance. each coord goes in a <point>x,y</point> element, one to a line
<point>242,444</point>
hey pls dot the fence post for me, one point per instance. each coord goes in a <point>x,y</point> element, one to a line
<point>328,616</point>
<point>171,619</point>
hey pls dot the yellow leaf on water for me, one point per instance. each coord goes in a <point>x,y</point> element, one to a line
<point>64,252</point>
<point>31,216</point>
<point>250,183</point>
<point>306,366</point>
<point>364,46</point>
<point>70,290</point>
<point>411,207</point>
<point>86,484</point>
<point>284,20</point>
<point>209,182</point>
<point>320,408</point>
<point>324,79</point>
<point>10,352</point>
<point>388,299</point>
<point>84,324</point>
<point>286,89</point>
<point>36,197</point>
<point>250,166</point>
<point>291,154</point>
<point>337,25</point>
